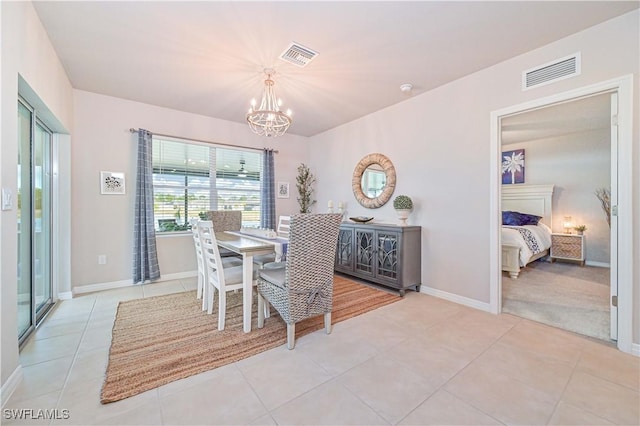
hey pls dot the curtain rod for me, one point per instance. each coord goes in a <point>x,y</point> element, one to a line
<point>275,151</point>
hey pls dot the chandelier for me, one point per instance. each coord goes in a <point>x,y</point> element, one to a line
<point>268,120</point>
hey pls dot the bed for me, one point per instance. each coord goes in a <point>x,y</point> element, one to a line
<point>522,245</point>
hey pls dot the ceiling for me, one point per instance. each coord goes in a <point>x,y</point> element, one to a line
<point>208,57</point>
<point>566,118</point>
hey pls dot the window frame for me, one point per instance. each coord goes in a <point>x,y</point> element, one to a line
<point>217,183</point>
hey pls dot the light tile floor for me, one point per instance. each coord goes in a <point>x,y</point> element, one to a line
<point>419,361</point>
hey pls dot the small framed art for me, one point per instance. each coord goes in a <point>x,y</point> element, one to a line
<point>283,189</point>
<point>112,183</point>
<point>513,166</point>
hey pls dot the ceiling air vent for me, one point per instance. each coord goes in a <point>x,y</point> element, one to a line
<point>298,55</point>
<point>550,73</point>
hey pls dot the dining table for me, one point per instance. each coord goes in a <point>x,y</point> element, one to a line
<point>279,243</point>
<point>247,247</point>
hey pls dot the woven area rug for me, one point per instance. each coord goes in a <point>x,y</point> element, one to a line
<point>161,339</point>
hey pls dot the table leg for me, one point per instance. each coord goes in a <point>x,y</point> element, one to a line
<point>247,290</point>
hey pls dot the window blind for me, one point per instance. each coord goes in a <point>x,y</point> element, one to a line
<point>191,178</point>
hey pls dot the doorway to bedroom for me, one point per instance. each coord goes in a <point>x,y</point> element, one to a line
<point>620,299</point>
<point>564,273</point>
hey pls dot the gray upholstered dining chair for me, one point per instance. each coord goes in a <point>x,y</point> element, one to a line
<point>226,220</point>
<point>304,287</point>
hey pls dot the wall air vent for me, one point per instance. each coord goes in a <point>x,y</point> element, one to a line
<point>550,73</point>
<point>298,55</point>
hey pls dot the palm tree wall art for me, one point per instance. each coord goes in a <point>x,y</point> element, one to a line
<point>513,166</point>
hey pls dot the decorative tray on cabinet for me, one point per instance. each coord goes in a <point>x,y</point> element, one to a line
<point>361,219</point>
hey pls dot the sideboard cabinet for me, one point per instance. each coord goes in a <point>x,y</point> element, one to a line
<point>381,253</point>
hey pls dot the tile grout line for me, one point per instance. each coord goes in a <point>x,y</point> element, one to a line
<point>470,403</point>
<point>235,364</point>
<point>75,355</point>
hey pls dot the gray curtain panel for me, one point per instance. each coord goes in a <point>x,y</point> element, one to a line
<point>268,191</point>
<point>145,255</point>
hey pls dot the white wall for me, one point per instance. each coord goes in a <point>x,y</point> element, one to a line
<point>103,224</point>
<point>439,143</point>
<point>576,164</point>
<point>26,52</point>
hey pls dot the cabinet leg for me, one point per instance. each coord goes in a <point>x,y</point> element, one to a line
<point>418,288</point>
<point>402,291</point>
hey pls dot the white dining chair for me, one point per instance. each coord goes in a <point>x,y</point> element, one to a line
<point>284,224</point>
<point>271,261</point>
<point>218,276</point>
<point>199,258</point>
<point>202,272</point>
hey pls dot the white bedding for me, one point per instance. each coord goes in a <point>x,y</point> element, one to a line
<point>541,233</point>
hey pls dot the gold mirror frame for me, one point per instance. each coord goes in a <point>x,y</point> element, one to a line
<point>356,181</point>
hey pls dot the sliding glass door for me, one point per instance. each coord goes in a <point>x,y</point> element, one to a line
<point>34,220</point>
<point>41,233</point>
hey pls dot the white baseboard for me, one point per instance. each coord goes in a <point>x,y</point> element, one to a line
<point>597,264</point>
<point>635,349</point>
<point>90,288</point>
<point>455,298</point>
<point>10,386</point>
<point>65,295</point>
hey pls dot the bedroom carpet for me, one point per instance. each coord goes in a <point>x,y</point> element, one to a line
<point>161,339</point>
<point>564,295</point>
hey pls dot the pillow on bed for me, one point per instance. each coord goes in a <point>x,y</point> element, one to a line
<point>510,218</point>
<point>529,219</point>
<point>519,219</point>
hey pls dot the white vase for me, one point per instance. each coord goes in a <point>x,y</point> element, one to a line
<point>403,215</point>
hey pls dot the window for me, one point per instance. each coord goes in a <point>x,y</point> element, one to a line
<point>191,178</point>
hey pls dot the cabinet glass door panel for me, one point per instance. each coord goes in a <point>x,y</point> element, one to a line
<point>387,258</point>
<point>344,253</point>
<point>365,249</point>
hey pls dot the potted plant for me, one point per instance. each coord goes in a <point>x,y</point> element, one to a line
<point>403,205</point>
<point>304,182</point>
<point>580,229</point>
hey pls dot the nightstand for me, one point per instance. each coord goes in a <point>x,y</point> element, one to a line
<point>567,247</point>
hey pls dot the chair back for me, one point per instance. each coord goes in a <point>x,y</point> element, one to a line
<point>284,225</point>
<point>198,245</point>
<point>225,220</point>
<point>211,253</point>
<point>313,239</point>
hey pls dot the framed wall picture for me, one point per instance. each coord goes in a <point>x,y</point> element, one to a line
<point>513,166</point>
<point>112,183</point>
<point>283,189</point>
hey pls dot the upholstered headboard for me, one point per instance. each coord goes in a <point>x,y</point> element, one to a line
<point>532,199</point>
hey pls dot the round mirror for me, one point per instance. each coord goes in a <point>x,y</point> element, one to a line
<point>374,180</point>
